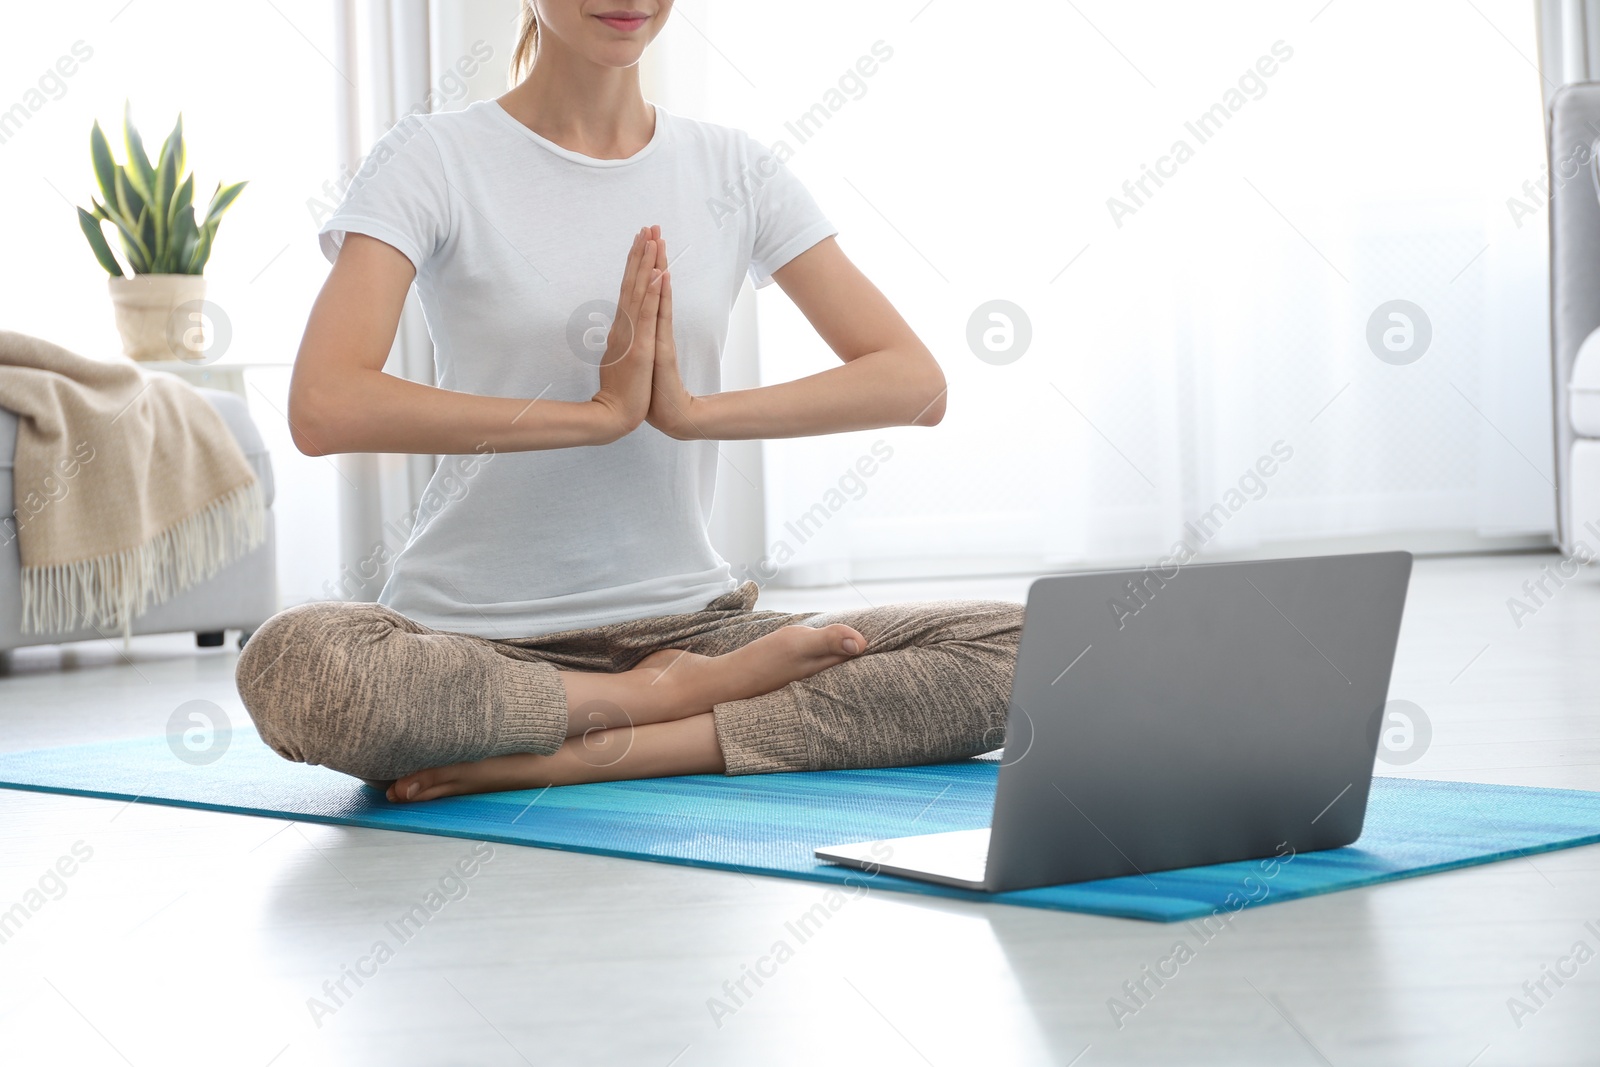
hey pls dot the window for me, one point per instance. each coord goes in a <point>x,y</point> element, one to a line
<point>254,85</point>
<point>1203,212</point>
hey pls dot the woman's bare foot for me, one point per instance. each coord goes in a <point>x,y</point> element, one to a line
<point>685,746</point>
<point>672,684</point>
<point>650,722</point>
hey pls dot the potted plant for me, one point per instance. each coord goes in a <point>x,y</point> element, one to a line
<point>166,248</point>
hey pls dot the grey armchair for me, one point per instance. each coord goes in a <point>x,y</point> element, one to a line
<point>241,596</point>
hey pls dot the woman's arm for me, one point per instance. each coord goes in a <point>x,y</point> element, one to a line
<point>889,378</point>
<point>340,400</point>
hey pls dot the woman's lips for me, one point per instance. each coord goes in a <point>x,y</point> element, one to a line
<point>625,22</point>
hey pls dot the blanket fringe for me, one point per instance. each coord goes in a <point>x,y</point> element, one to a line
<point>115,589</point>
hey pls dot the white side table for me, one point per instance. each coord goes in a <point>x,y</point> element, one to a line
<point>227,375</point>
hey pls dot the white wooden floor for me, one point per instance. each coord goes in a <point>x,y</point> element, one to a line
<point>198,938</point>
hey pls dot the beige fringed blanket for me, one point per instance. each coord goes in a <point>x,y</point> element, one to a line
<point>129,487</point>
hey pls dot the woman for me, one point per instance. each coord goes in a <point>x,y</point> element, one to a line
<point>562,617</point>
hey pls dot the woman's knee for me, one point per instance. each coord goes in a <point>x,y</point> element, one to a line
<point>302,675</point>
<point>998,620</point>
<point>995,624</point>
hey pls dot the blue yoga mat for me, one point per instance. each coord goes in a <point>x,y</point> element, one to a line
<point>768,824</point>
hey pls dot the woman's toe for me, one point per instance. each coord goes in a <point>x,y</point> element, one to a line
<point>844,640</point>
<point>417,786</point>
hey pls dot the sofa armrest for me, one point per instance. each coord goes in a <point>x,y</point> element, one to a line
<point>236,413</point>
<point>232,407</point>
<point>242,595</point>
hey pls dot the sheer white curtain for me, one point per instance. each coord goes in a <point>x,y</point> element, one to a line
<point>1569,42</point>
<point>1284,281</point>
<point>397,58</point>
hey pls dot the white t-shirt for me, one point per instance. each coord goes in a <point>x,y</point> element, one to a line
<point>519,247</point>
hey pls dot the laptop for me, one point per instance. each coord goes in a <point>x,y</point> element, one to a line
<point>1173,718</point>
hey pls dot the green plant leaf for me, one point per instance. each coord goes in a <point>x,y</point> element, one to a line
<point>202,250</point>
<point>223,199</point>
<point>104,165</point>
<point>128,203</point>
<point>110,213</point>
<point>182,199</point>
<point>185,236</point>
<point>161,204</point>
<point>174,144</point>
<point>147,232</point>
<point>132,247</point>
<point>128,225</point>
<point>97,242</point>
<point>141,175</point>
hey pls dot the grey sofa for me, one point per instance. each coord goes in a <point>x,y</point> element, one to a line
<point>1575,310</point>
<point>240,597</point>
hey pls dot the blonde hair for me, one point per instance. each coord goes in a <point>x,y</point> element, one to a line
<point>527,43</point>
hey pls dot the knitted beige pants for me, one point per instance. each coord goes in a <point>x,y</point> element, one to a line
<point>366,691</point>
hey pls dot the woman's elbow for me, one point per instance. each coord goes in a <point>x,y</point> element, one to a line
<point>931,390</point>
<point>308,423</point>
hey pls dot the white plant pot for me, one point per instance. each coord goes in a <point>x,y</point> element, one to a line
<point>145,305</point>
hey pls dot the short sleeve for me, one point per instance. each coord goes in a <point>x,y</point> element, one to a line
<point>787,218</point>
<point>398,196</point>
